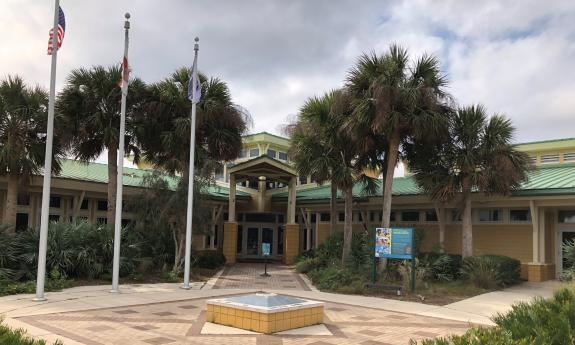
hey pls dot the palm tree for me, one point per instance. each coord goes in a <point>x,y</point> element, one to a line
<point>395,100</point>
<point>23,115</point>
<point>90,105</point>
<point>163,125</point>
<point>324,149</point>
<point>310,137</point>
<point>475,155</point>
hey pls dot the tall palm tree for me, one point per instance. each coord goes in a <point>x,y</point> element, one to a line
<point>309,150</point>
<point>163,125</point>
<point>395,100</point>
<point>90,105</point>
<point>475,155</point>
<point>322,147</point>
<point>23,115</point>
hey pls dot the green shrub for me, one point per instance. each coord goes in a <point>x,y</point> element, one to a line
<point>491,271</point>
<point>510,268</point>
<point>441,266</point>
<point>542,322</point>
<point>309,264</point>
<point>9,336</point>
<point>483,272</point>
<point>210,259</point>
<point>333,277</point>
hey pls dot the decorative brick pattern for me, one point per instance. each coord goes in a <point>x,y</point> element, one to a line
<point>248,276</point>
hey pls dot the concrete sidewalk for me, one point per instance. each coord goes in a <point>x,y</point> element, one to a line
<point>476,310</point>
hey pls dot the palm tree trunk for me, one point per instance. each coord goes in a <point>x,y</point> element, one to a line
<point>391,157</point>
<point>112,183</point>
<point>467,228</point>
<point>348,230</point>
<point>333,208</point>
<point>11,200</point>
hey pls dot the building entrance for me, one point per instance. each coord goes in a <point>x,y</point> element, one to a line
<point>252,234</point>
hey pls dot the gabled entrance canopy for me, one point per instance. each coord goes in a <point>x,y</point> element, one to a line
<point>263,166</point>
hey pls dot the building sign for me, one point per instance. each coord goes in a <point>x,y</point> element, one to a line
<point>266,248</point>
<point>394,243</point>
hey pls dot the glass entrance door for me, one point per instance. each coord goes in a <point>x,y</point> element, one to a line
<point>252,237</point>
<point>268,237</point>
<point>253,241</point>
<point>566,236</point>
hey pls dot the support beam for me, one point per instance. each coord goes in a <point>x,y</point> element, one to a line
<point>440,212</point>
<point>79,200</point>
<point>291,200</point>
<point>232,204</point>
<point>535,224</point>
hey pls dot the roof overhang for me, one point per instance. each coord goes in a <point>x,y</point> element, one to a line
<point>263,166</point>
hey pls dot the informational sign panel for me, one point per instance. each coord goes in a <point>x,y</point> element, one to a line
<point>266,248</point>
<point>394,243</point>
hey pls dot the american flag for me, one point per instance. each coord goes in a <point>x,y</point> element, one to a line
<point>61,30</point>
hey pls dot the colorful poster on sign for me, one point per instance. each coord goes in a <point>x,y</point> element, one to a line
<point>394,243</point>
<point>266,247</point>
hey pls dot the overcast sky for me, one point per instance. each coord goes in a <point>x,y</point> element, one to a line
<point>516,57</point>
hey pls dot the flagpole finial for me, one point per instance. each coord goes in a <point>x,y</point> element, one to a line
<point>127,22</point>
<point>196,45</point>
<point>127,15</point>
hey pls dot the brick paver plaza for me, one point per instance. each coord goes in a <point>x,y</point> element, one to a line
<point>155,314</point>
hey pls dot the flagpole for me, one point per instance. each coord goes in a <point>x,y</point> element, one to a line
<point>189,213</point>
<point>120,172</point>
<point>44,219</point>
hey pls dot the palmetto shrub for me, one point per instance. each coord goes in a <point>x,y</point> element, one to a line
<point>483,272</point>
<point>541,322</point>
<point>10,336</point>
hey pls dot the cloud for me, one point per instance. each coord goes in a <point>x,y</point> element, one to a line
<point>515,57</point>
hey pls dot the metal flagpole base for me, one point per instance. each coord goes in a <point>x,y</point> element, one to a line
<point>184,287</point>
<point>42,299</point>
<point>115,291</point>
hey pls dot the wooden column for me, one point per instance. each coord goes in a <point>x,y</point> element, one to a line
<point>232,204</point>
<point>291,200</point>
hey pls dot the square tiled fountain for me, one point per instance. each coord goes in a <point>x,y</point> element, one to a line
<point>265,312</point>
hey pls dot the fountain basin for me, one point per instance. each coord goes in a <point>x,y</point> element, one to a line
<point>264,312</point>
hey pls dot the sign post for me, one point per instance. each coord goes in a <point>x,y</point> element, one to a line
<point>266,249</point>
<point>395,243</point>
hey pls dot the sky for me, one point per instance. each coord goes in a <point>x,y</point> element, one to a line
<point>515,57</point>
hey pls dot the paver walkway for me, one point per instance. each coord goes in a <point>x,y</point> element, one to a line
<point>248,276</point>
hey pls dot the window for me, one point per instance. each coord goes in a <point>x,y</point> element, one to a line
<point>430,216</point>
<point>375,216</point>
<point>283,156</point>
<point>324,217</point>
<point>391,216</point>
<point>219,175</point>
<point>55,201</point>
<point>84,205</point>
<point>239,242</point>
<point>260,217</point>
<point>410,216</point>
<point>101,220</point>
<point>567,216</point>
<point>533,160</point>
<point>126,223</point>
<point>519,215</point>
<point>341,217</point>
<point>489,215</point>
<point>313,218</point>
<point>456,216</point>
<point>21,221</point>
<point>272,153</point>
<point>550,159</point>
<point>254,152</point>
<point>569,157</point>
<point>102,205</point>
<point>242,153</point>
<point>23,199</point>
<point>281,218</point>
<point>303,180</point>
<point>225,216</point>
<point>54,218</point>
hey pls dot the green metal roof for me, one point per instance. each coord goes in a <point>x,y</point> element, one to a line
<point>97,172</point>
<point>548,180</point>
